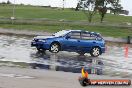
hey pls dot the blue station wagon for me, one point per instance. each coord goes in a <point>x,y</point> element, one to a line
<point>71,40</point>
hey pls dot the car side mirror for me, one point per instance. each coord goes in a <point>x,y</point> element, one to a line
<point>67,37</point>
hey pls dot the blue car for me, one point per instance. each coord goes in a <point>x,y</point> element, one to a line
<point>71,40</point>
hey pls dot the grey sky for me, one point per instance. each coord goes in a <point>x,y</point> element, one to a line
<point>127,4</point>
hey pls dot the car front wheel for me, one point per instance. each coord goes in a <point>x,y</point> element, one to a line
<point>81,53</point>
<point>41,50</point>
<point>95,52</point>
<point>54,48</point>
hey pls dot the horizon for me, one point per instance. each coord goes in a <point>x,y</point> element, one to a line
<point>67,3</point>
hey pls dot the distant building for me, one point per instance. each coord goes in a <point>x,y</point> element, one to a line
<point>126,12</point>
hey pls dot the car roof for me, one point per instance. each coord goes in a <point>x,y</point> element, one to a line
<point>83,31</point>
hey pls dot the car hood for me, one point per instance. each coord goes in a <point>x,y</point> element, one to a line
<point>44,37</point>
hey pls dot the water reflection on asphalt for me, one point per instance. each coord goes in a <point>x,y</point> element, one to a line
<point>16,51</point>
<point>67,63</point>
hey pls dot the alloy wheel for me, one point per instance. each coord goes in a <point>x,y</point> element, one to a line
<point>54,48</point>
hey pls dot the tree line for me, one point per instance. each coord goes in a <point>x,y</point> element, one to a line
<point>91,7</point>
<point>8,2</point>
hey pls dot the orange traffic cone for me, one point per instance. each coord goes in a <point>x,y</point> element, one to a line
<point>126,51</point>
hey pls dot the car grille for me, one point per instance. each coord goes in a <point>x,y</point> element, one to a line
<point>36,40</point>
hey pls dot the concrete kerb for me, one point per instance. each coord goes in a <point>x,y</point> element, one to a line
<point>119,40</point>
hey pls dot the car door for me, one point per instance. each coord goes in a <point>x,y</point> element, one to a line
<point>87,41</point>
<point>71,43</point>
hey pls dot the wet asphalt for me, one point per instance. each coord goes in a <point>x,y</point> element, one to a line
<point>17,51</point>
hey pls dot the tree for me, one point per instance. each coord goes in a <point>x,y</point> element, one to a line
<point>63,5</point>
<point>116,7</point>
<point>3,3</point>
<point>102,7</point>
<point>8,2</point>
<point>77,8</point>
<point>102,12</point>
<point>88,7</point>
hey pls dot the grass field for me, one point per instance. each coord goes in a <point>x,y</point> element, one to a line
<point>54,13</point>
<point>35,12</point>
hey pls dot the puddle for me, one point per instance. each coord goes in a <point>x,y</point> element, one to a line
<point>16,76</point>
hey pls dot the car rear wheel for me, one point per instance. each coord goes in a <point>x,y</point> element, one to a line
<point>95,51</point>
<point>54,48</point>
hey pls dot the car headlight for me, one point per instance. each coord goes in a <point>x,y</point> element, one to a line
<point>41,40</point>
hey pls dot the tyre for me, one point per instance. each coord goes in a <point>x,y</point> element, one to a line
<point>41,50</point>
<point>95,51</point>
<point>54,48</point>
<point>81,53</point>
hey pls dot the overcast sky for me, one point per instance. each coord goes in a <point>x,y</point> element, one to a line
<point>127,4</point>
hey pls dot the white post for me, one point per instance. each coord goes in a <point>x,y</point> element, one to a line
<point>94,62</point>
<point>13,12</point>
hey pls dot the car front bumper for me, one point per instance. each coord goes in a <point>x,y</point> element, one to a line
<point>40,45</point>
<point>103,49</point>
<point>33,44</point>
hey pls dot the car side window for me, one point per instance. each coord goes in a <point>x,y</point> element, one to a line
<point>88,36</point>
<point>74,35</point>
<point>99,38</point>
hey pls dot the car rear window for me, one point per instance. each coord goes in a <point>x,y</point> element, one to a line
<point>88,36</point>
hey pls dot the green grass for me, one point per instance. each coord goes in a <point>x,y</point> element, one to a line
<point>105,31</point>
<point>50,13</point>
<point>26,12</point>
<point>40,12</point>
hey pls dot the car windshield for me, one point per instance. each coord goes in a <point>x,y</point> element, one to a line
<point>61,33</point>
